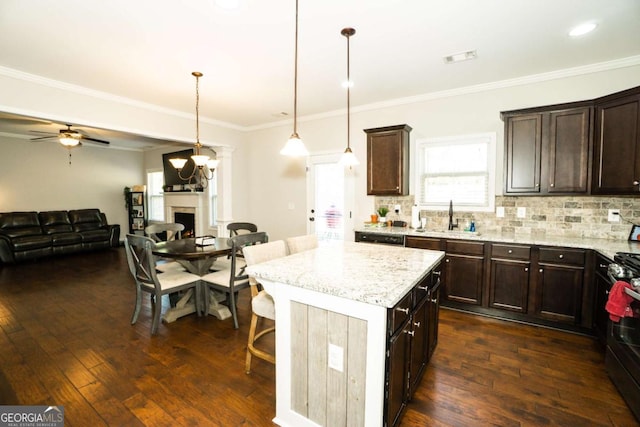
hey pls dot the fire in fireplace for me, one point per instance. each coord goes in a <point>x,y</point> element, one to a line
<point>188,220</point>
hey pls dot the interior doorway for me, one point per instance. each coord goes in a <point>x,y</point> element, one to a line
<point>330,195</point>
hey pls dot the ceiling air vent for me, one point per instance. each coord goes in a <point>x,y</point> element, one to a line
<point>462,56</point>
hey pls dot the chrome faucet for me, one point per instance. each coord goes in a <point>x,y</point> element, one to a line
<point>452,224</point>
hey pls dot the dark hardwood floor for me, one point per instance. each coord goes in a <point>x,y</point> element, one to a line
<point>66,340</point>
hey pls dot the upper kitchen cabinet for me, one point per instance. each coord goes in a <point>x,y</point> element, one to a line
<point>616,157</point>
<point>547,149</point>
<point>388,160</point>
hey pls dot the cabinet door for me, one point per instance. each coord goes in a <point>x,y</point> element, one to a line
<point>433,312</point>
<point>396,394</point>
<point>523,135</point>
<point>509,287</point>
<point>419,345</point>
<point>559,292</point>
<point>463,278</point>
<point>616,162</point>
<point>388,160</point>
<point>568,151</point>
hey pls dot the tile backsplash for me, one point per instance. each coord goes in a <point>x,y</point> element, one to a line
<point>573,216</point>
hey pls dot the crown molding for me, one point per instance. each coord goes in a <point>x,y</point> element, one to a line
<point>56,84</point>
<point>466,90</point>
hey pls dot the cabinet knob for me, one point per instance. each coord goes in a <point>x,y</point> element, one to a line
<point>423,288</point>
<point>537,185</point>
<point>606,292</point>
<point>636,183</point>
<point>541,270</point>
<point>602,266</point>
<point>526,269</point>
<point>435,300</point>
<point>561,256</point>
<point>552,185</point>
<point>446,260</point>
<point>409,332</point>
<point>416,324</point>
<point>436,273</point>
<point>403,310</point>
<point>510,251</point>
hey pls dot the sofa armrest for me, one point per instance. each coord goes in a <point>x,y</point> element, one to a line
<point>114,234</point>
<point>6,254</point>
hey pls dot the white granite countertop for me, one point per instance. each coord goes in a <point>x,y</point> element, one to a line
<point>373,274</point>
<point>606,247</point>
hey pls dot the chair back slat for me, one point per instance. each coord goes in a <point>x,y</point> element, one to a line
<point>140,258</point>
<point>173,231</point>
<point>235,228</point>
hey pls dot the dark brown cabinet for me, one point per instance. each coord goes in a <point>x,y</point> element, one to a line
<point>412,330</point>
<point>388,160</point>
<point>559,285</point>
<point>617,144</point>
<point>547,149</point>
<point>509,277</point>
<point>137,212</point>
<point>463,271</point>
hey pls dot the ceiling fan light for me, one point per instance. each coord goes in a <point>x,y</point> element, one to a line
<point>68,141</point>
<point>178,162</point>
<point>294,147</point>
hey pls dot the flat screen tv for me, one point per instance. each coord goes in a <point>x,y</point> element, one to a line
<point>171,177</point>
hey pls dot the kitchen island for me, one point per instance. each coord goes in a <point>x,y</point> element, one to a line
<point>339,310</point>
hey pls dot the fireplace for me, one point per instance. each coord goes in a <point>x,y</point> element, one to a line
<point>187,219</point>
<point>189,209</point>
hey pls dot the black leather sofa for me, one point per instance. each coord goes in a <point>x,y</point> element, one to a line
<point>30,235</point>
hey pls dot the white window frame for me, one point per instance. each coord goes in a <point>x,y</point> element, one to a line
<point>151,197</point>
<point>418,168</point>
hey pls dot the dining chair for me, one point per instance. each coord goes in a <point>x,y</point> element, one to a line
<point>233,279</point>
<point>235,229</point>
<point>172,231</point>
<point>302,243</point>
<point>142,264</point>
<point>262,305</point>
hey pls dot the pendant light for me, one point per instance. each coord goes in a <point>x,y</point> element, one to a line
<point>348,158</point>
<point>294,146</point>
<point>204,165</point>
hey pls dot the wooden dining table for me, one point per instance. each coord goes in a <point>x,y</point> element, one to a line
<point>197,259</point>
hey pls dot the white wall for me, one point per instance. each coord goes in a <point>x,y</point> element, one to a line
<point>277,181</point>
<point>36,176</point>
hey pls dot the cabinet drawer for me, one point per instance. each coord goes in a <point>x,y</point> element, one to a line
<point>510,251</point>
<point>424,243</point>
<point>562,255</point>
<point>400,312</point>
<point>421,290</point>
<point>465,247</point>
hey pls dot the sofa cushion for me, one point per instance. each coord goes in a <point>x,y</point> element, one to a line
<point>86,219</point>
<point>61,239</point>
<point>101,235</point>
<point>26,243</point>
<point>19,224</point>
<point>55,222</point>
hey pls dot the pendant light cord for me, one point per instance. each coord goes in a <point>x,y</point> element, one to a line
<point>295,79</point>
<point>348,97</point>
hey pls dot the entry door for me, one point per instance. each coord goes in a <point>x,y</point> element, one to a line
<point>330,195</point>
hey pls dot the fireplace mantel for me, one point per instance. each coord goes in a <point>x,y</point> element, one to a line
<point>179,201</point>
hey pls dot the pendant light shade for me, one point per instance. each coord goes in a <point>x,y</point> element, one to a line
<point>294,146</point>
<point>348,158</point>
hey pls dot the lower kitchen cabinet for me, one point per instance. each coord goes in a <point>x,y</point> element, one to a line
<point>413,330</point>
<point>549,286</point>
<point>560,285</point>
<point>509,277</point>
<point>463,271</point>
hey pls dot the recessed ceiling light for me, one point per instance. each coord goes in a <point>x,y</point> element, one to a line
<point>462,56</point>
<point>582,29</point>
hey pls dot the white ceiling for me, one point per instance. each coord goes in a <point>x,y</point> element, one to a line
<point>145,50</point>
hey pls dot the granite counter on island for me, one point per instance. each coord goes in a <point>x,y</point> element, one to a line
<point>344,317</point>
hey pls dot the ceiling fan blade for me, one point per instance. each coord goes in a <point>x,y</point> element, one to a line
<point>40,138</point>
<point>43,133</point>
<point>101,141</point>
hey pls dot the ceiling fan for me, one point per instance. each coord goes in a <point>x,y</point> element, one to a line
<point>68,137</point>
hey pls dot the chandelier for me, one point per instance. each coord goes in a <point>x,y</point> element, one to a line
<point>294,146</point>
<point>348,158</point>
<point>204,165</point>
